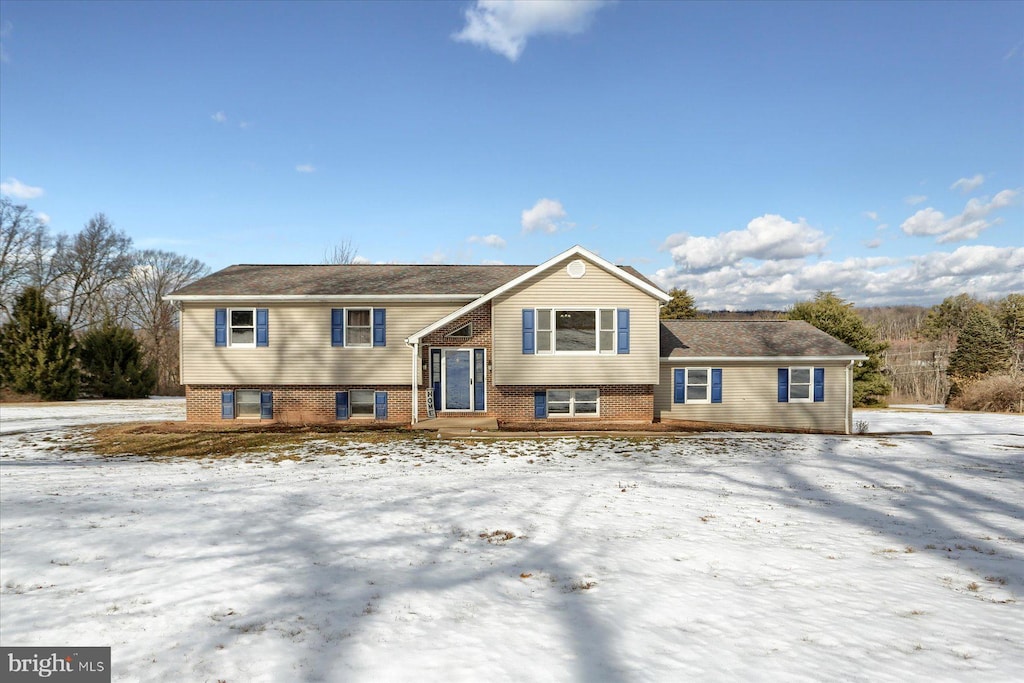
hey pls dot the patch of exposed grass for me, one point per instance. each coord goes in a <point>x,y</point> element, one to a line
<point>498,536</point>
<point>180,440</point>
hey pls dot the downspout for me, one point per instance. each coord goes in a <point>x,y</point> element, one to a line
<point>849,397</point>
<point>415,381</point>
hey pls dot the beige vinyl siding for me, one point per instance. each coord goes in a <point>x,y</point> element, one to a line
<point>750,397</point>
<point>555,289</point>
<point>300,350</point>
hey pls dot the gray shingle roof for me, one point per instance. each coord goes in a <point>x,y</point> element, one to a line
<point>358,280</point>
<point>353,279</point>
<point>736,338</point>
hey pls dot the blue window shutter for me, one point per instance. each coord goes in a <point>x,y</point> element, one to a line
<point>819,385</point>
<point>623,330</point>
<point>679,385</point>
<point>435,378</point>
<point>341,405</point>
<point>540,404</point>
<point>337,327</point>
<point>220,327</point>
<point>262,327</point>
<point>380,405</point>
<point>528,331</point>
<point>478,379</point>
<point>716,385</point>
<point>266,405</point>
<point>380,337</point>
<point>783,385</point>
<point>227,405</point>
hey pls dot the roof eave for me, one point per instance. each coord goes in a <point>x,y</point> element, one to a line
<point>318,298</point>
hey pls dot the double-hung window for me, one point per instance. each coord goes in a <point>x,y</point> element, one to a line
<point>247,403</point>
<point>801,385</point>
<point>362,402</point>
<point>572,402</point>
<point>242,326</point>
<point>697,385</point>
<point>585,330</point>
<point>358,327</point>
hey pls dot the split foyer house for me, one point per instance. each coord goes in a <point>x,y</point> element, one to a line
<point>575,338</point>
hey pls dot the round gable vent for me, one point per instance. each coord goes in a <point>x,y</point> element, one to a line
<point>576,269</point>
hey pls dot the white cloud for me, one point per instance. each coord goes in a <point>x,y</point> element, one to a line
<point>915,199</point>
<point>360,260</point>
<point>244,124</point>
<point>547,215</point>
<point>966,225</point>
<point>882,226</point>
<point>494,241</point>
<point>873,215</point>
<point>219,117</point>
<point>984,271</point>
<point>769,237</point>
<point>967,185</point>
<point>305,168</point>
<point>873,244</point>
<point>491,262</point>
<point>44,218</point>
<point>13,187</point>
<point>504,26</point>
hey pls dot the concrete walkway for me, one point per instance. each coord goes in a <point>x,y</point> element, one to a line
<point>466,424</point>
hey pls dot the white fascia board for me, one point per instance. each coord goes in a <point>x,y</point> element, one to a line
<point>761,359</point>
<point>316,298</point>
<point>573,251</point>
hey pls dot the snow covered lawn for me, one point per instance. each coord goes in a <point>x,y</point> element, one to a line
<point>727,556</point>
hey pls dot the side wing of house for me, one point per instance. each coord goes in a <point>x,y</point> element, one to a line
<point>810,394</point>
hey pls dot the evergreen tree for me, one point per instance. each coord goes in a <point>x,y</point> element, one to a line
<point>831,314</point>
<point>945,320</point>
<point>113,365</point>
<point>981,348</point>
<point>37,351</point>
<point>681,306</point>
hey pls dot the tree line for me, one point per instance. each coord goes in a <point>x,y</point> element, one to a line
<point>84,312</point>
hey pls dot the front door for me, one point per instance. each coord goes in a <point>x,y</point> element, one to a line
<point>458,379</point>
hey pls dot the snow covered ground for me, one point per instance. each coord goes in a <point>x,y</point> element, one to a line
<point>714,557</point>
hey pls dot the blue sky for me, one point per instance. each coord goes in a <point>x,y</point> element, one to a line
<point>751,152</point>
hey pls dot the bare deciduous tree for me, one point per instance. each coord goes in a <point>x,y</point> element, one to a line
<point>155,275</point>
<point>22,234</point>
<point>342,253</point>
<point>87,266</point>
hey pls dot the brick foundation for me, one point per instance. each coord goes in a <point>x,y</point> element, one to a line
<point>295,403</point>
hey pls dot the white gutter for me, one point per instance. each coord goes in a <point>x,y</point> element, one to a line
<point>760,359</point>
<point>849,398</point>
<point>321,297</point>
<point>415,382</point>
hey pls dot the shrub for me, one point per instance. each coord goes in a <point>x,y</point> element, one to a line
<point>995,393</point>
<point>113,365</point>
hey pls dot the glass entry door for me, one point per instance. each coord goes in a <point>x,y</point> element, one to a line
<point>458,379</point>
